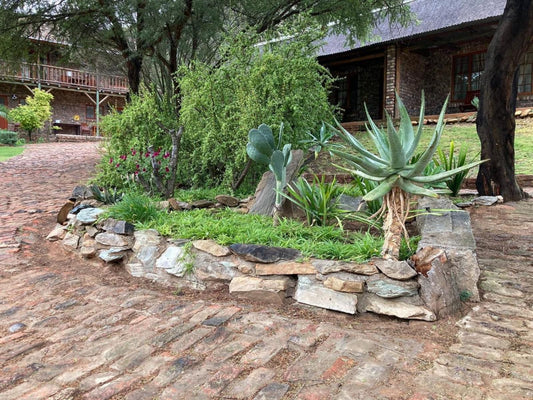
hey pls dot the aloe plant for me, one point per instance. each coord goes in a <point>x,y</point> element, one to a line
<point>397,177</point>
<point>262,149</point>
<point>450,162</point>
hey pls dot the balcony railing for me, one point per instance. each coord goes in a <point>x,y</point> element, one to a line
<point>64,77</point>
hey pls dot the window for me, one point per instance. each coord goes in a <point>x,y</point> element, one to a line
<point>467,70</point>
<point>90,111</point>
<point>525,72</point>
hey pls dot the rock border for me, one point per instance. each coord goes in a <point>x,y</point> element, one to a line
<point>443,272</point>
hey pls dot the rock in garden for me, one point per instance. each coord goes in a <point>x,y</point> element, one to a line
<point>116,226</point>
<point>226,200</point>
<point>269,290</point>
<point>438,288</point>
<point>265,194</point>
<point>312,292</point>
<point>263,254</point>
<point>349,203</point>
<point>173,261</point>
<point>113,240</point>
<point>71,240</point>
<point>329,266</point>
<point>91,231</point>
<point>211,268</point>
<point>58,233</point>
<point>89,215</point>
<point>211,247</point>
<point>82,192</point>
<point>202,204</point>
<point>285,268</point>
<point>178,205</point>
<point>394,307</point>
<point>146,237</point>
<point>112,255</point>
<point>391,288</point>
<point>345,282</point>
<point>487,200</point>
<point>395,269</point>
<point>62,216</point>
<point>88,248</point>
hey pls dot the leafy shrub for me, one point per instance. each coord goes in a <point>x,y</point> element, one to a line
<point>135,208</point>
<point>8,137</point>
<point>34,113</point>
<point>136,127</point>
<point>251,85</point>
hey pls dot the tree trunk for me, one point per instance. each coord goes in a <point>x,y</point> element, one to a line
<point>134,67</point>
<point>497,101</point>
<point>396,203</point>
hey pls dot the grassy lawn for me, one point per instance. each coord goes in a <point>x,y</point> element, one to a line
<point>6,152</point>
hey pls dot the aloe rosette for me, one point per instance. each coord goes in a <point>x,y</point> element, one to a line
<point>392,167</point>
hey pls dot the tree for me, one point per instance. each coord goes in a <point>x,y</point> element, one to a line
<point>34,113</point>
<point>158,36</point>
<point>497,105</point>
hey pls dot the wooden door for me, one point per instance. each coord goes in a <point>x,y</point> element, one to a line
<point>3,121</point>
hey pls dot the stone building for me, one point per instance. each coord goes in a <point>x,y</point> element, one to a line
<point>81,95</point>
<point>442,53</point>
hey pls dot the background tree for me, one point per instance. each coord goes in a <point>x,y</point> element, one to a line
<point>497,105</point>
<point>33,115</point>
<point>158,36</point>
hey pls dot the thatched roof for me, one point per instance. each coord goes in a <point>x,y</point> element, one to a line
<point>433,16</point>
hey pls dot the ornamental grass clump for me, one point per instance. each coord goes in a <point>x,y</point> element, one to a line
<point>398,178</point>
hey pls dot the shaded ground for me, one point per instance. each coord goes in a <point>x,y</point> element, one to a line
<point>91,331</point>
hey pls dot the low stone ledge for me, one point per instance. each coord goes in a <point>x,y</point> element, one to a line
<point>61,137</point>
<point>445,266</point>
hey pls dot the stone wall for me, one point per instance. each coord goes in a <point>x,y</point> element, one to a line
<point>390,80</point>
<point>429,286</point>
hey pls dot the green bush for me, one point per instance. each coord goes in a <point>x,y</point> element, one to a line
<point>8,137</point>
<point>251,85</point>
<point>133,129</point>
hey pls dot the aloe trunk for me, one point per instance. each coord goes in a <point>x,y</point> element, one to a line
<point>397,210</point>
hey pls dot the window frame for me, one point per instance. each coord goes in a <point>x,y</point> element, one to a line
<point>530,50</point>
<point>469,72</point>
<point>87,112</point>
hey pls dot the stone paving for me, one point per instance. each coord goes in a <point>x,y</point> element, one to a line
<point>77,330</point>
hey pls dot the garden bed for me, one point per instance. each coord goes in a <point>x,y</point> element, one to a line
<point>430,285</point>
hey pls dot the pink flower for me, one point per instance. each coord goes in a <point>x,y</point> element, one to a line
<point>118,165</point>
<point>147,154</point>
<point>137,166</point>
<point>133,152</point>
<point>111,160</point>
<point>156,153</point>
<point>167,169</point>
<point>123,157</point>
<point>144,169</point>
<point>166,155</point>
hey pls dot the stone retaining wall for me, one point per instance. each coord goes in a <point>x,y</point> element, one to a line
<point>78,138</point>
<point>427,287</point>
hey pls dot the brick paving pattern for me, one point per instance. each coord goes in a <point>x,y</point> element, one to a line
<point>79,332</point>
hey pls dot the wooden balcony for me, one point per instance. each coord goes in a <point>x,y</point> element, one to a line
<point>68,78</point>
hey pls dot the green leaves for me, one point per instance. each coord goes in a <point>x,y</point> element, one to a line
<point>396,148</point>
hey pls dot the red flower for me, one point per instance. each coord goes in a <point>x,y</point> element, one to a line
<point>147,154</point>
<point>166,155</point>
<point>137,166</point>
<point>144,169</point>
<point>133,152</point>
<point>167,169</point>
<point>111,160</point>
<point>118,165</point>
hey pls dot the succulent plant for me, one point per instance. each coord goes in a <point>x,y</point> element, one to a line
<point>262,149</point>
<point>392,167</point>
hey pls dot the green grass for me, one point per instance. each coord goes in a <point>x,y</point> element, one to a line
<point>227,227</point>
<point>7,152</point>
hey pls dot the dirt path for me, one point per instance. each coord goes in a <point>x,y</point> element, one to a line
<point>73,329</point>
